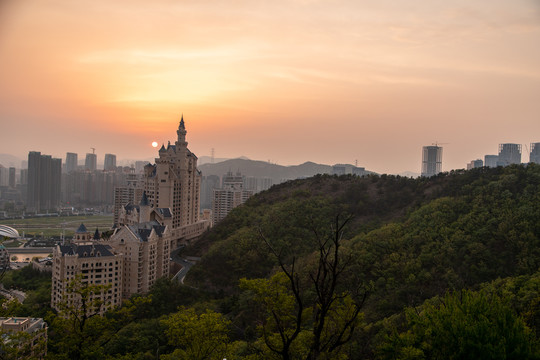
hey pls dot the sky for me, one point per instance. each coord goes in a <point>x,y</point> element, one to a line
<point>286,81</point>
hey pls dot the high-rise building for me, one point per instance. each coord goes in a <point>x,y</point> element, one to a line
<point>4,176</point>
<point>208,184</point>
<point>71,162</point>
<point>231,195</point>
<point>139,166</point>
<point>535,153</point>
<point>478,163</point>
<point>12,172</point>
<point>509,154</point>
<point>491,160</point>
<point>110,162</point>
<point>174,182</point>
<point>126,194</point>
<point>431,160</point>
<point>91,162</point>
<point>44,178</point>
<point>146,247</point>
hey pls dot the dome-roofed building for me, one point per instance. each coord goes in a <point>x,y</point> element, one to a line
<point>9,232</point>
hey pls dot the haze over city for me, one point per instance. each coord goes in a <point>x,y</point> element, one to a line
<point>286,81</point>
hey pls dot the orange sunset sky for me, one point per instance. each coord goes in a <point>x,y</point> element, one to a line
<point>330,81</point>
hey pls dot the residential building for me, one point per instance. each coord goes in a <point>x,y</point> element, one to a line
<point>208,184</point>
<point>71,162</point>
<point>230,195</point>
<point>110,162</point>
<point>431,160</point>
<point>11,182</point>
<point>257,184</point>
<point>343,169</point>
<point>4,176</point>
<point>139,166</point>
<point>509,154</point>
<point>478,163</point>
<point>146,249</point>
<point>491,160</point>
<point>126,194</point>
<point>33,346</point>
<point>90,162</point>
<point>44,179</point>
<point>535,153</point>
<point>91,264</point>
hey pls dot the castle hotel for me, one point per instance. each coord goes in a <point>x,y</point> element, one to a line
<point>161,215</point>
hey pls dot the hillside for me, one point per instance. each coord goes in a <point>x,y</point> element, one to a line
<point>410,239</point>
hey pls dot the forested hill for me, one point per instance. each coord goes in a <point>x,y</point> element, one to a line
<point>472,225</point>
<point>409,240</point>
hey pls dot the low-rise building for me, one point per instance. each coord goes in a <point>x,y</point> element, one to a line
<point>28,335</point>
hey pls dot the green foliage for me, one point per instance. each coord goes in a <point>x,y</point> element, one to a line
<point>21,345</point>
<point>197,336</point>
<point>463,325</point>
<point>26,278</point>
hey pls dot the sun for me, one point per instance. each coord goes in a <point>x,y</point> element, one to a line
<point>154,144</point>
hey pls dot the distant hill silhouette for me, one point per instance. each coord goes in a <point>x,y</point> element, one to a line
<point>256,168</point>
<point>8,160</point>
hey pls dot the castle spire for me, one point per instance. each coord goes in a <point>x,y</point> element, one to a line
<point>181,132</point>
<point>144,200</point>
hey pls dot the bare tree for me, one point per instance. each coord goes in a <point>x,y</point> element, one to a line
<point>335,311</point>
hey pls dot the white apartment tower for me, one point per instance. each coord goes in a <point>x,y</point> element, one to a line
<point>431,160</point>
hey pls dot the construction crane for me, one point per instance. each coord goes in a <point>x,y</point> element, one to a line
<point>436,143</point>
<point>93,150</point>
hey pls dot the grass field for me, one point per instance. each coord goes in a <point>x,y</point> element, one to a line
<point>53,226</point>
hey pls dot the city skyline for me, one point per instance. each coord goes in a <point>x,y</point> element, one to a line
<point>292,81</point>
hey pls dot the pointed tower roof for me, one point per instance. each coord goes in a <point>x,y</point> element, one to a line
<point>162,148</point>
<point>97,236</point>
<point>82,229</point>
<point>182,125</point>
<point>144,200</point>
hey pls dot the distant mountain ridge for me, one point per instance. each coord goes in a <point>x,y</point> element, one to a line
<point>8,160</point>
<point>261,169</point>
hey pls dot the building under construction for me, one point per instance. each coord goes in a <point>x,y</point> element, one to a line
<point>431,160</point>
<point>509,154</point>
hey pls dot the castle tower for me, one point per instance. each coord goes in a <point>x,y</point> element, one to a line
<point>82,235</point>
<point>174,182</point>
<point>144,209</point>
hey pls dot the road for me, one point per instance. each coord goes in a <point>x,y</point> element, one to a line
<point>186,265</point>
<point>13,294</point>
